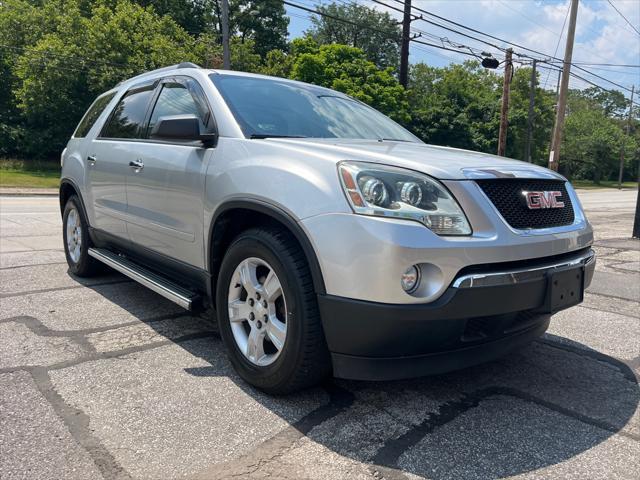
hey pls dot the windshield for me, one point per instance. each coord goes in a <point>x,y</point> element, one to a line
<point>272,108</point>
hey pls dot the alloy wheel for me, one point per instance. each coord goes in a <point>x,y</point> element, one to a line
<point>257,311</point>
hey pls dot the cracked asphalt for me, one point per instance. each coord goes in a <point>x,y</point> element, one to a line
<point>103,378</point>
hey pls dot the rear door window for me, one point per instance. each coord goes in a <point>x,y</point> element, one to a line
<point>128,117</point>
<point>92,115</point>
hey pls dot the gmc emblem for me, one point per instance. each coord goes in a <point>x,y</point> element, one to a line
<point>537,200</point>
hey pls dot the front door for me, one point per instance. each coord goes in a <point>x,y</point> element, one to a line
<point>108,157</point>
<point>165,191</point>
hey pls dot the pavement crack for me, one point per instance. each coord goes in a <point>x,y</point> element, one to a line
<point>77,422</point>
<point>57,289</point>
<point>114,354</point>
<point>614,297</point>
<point>14,267</point>
<point>389,454</point>
<point>340,399</point>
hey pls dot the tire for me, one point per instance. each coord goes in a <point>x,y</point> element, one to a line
<point>75,234</point>
<point>304,359</point>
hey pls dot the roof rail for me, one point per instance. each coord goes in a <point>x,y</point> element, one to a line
<point>163,69</point>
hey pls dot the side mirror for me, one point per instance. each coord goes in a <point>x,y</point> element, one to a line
<point>182,127</point>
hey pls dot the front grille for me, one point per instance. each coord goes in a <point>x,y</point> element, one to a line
<point>506,195</point>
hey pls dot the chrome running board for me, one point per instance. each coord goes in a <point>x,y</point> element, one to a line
<point>159,284</point>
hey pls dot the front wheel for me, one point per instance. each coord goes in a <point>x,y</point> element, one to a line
<point>268,314</point>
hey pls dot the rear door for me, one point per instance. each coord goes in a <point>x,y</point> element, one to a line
<point>165,194</point>
<point>108,157</point>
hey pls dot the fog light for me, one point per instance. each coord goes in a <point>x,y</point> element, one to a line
<point>410,279</point>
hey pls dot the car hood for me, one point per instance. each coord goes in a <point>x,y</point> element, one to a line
<point>444,163</point>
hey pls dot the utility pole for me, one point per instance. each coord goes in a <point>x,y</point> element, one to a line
<point>628,130</point>
<point>404,47</point>
<point>504,112</point>
<point>554,155</point>
<point>636,222</point>
<point>224,23</point>
<point>532,98</point>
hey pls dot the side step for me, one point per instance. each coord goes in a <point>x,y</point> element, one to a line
<point>177,294</point>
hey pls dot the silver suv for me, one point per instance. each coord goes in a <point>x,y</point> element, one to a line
<point>324,237</point>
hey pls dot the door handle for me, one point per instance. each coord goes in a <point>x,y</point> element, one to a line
<point>91,159</point>
<point>137,165</point>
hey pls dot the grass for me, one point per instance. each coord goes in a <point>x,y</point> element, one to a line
<point>588,184</point>
<point>33,174</point>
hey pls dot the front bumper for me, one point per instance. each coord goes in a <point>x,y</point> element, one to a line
<point>363,257</point>
<point>483,314</point>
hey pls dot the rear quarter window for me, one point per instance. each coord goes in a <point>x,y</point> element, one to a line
<point>96,108</point>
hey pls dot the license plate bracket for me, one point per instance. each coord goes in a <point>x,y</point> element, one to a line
<point>565,288</point>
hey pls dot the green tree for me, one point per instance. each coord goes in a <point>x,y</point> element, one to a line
<point>378,35</point>
<point>195,16</point>
<point>76,57</point>
<point>594,136</point>
<point>347,70</point>
<point>265,22</point>
<point>612,102</point>
<point>457,106</point>
<point>544,117</point>
<point>22,23</point>
<point>278,64</point>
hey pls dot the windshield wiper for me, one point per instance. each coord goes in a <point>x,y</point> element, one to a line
<point>269,135</point>
<point>393,140</point>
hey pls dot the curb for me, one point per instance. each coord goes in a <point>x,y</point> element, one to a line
<point>28,192</point>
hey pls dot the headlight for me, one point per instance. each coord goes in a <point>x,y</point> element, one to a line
<point>384,191</point>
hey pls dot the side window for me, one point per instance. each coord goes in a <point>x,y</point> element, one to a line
<point>128,116</point>
<point>92,115</point>
<point>176,99</point>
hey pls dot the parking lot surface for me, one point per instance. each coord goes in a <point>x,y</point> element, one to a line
<point>102,378</point>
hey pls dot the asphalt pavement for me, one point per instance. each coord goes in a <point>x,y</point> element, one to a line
<point>102,378</point>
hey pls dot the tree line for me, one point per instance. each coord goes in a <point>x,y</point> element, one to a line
<point>56,56</point>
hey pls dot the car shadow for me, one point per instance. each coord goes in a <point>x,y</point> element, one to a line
<point>538,407</point>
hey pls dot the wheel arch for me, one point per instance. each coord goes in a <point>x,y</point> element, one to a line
<point>67,189</point>
<point>235,216</point>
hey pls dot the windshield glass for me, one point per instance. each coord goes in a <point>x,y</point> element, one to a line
<point>272,108</point>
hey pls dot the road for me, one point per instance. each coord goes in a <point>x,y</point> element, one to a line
<point>102,378</point>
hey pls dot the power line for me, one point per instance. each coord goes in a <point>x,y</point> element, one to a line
<point>544,55</point>
<point>339,19</point>
<point>555,68</point>
<point>386,33</point>
<point>446,40</point>
<point>602,78</point>
<point>420,18</point>
<point>559,40</point>
<point>517,45</point>
<point>607,64</point>
<point>480,32</point>
<point>625,18</point>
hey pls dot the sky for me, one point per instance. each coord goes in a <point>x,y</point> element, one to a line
<point>602,35</point>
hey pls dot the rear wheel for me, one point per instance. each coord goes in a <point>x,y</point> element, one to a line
<point>268,314</point>
<point>75,234</point>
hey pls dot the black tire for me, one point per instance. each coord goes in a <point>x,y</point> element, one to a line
<point>85,266</point>
<point>304,360</point>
